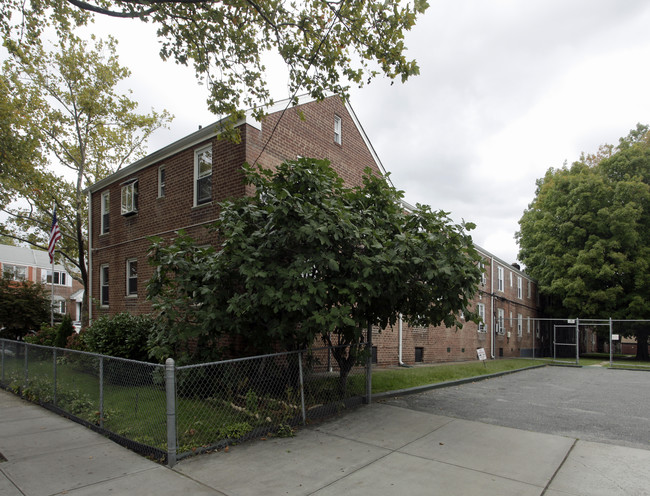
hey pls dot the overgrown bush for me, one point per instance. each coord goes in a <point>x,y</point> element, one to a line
<point>46,336</point>
<point>123,335</point>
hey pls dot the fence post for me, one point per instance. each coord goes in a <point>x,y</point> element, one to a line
<point>611,355</point>
<point>369,366</point>
<point>101,391</point>
<point>54,376</point>
<point>302,389</point>
<point>170,390</point>
<point>26,365</point>
<point>577,341</point>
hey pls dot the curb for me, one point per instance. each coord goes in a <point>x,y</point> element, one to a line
<point>439,385</point>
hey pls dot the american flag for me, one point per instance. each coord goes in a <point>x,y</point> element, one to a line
<point>55,235</point>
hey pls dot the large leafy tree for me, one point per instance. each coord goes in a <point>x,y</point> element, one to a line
<point>24,306</point>
<point>307,257</point>
<point>67,126</point>
<point>586,235</point>
<point>327,45</point>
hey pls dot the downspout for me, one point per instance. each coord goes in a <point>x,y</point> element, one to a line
<point>90,259</point>
<point>492,336</point>
<point>399,341</point>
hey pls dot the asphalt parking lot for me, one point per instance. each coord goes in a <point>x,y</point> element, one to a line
<point>589,403</point>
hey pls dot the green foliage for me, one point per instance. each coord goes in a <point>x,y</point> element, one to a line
<point>60,103</point>
<point>23,307</point>
<point>64,331</point>
<point>307,257</point>
<point>46,336</point>
<point>326,46</point>
<point>586,235</point>
<point>123,335</point>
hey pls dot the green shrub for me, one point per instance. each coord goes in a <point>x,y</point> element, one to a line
<point>46,336</point>
<point>123,335</point>
<point>63,331</point>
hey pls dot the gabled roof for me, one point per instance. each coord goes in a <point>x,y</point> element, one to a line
<point>213,130</point>
<point>17,255</point>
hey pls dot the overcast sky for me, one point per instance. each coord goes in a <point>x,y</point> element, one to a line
<point>507,89</point>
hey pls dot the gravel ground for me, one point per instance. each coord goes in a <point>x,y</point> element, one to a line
<point>589,403</point>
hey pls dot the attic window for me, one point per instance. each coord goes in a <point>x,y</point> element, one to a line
<point>130,197</point>
<point>337,130</point>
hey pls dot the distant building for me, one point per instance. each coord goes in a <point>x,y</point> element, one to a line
<point>26,264</point>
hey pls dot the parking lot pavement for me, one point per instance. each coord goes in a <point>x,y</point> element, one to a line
<point>589,403</point>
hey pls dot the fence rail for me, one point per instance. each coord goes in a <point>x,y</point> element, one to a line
<point>169,412</point>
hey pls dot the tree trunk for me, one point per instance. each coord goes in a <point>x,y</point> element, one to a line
<point>642,345</point>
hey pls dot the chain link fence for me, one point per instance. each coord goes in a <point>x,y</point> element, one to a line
<point>168,412</point>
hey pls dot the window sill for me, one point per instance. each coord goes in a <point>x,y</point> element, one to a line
<point>202,205</point>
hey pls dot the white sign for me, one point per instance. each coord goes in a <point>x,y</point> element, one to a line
<point>615,337</point>
<point>481,353</point>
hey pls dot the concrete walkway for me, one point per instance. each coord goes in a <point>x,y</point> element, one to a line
<point>381,449</point>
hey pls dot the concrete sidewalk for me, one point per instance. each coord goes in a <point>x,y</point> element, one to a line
<point>380,449</point>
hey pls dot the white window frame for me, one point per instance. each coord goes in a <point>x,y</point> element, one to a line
<point>15,272</point>
<point>104,281</point>
<point>337,129</point>
<point>129,198</point>
<point>528,325</point>
<point>201,176</point>
<point>105,212</point>
<point>501,329</point>
<point>510,322</point>
<point>510,278</point>
<point>520,289</point>
<point>500,279</point>
<point>481,266</point>
<point>480,309</point>
<point>520,324</point>
<point>130,277</point>
<point>529,289</point>
<point>161,181</point>
<point>59,306</point>
<point>60,278</point>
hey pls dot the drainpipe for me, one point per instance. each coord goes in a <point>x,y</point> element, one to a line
<point>492,307</point>
<point>89,266</point>
<point>399,341</point>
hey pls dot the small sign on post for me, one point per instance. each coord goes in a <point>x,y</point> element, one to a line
<point>615,337</point>
<point>480,352</point>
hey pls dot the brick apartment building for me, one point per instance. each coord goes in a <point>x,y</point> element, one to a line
<point>25,264</point>
<point>180,186</point>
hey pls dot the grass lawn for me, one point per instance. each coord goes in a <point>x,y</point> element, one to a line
<point>403,378</point>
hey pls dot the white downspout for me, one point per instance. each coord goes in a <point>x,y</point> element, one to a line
<point>399,341</point>
<point>491,324</point>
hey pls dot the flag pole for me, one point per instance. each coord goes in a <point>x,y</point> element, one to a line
<point>52,278</point>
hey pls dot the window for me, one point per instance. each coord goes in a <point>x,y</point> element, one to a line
<point>528,325</point>
<point>480,309</point>
<point>130,198</point>
<point>103,285</point>
<point>14,272</point>
<point>106,209</point>
<point>374,354</point>
<point>419,354</point>
<point>520,289</point>
<point>161,181</point>
<point>60,278</point>
<point>481,266</point>
<point>59,306</point>
<point>500,279</point>
<point>510,278</point>
<point>529,289</point>
<point>501,329</point>
<point>132,278</point>
<point>203,176</point>
<point>337,130</point>
<point>520,324</point>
